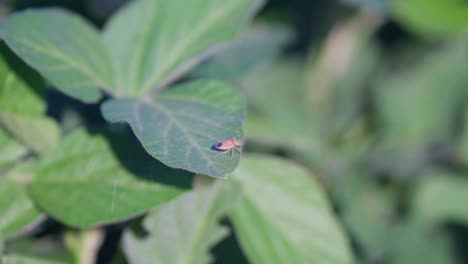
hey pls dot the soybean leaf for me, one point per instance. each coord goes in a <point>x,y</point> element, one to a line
<point>252,50</point>
<point>62,47</point>
<point>10,150</point>
<point>45,250</point>
<point>442,198</point>
<point>184,230</point>
<point>368,211</point>
<point>89,180</point>
<point>419,16</point>
<point>17,211</point>
<point>18,259</point>
<point>409,242</point>
<point>153,42</point>
<point>182,125</point>
<point>22,106</point>
<point>284,217</point>
<point>404,140</point>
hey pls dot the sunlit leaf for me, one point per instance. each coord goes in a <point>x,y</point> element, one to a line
<point>62,47</point>
<point>181,126</point>
<point>94,179</point>
<point>433,18</point>
<point>154,41</point>
<point>284,216</point>
<point>184,230</point>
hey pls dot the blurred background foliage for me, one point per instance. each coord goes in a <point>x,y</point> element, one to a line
<point>370,95</point>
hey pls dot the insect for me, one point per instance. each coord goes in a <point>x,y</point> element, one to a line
<point>229,145</point>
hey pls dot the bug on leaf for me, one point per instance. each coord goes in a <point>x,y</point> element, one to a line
<point>229,145</point>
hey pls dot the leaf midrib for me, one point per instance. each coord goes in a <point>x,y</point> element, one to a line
<point>187,134</point>
<point>67,60</point>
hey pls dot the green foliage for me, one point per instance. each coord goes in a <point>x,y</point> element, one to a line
<point>405,140</point>
<point>94,179</point>
<point>441,198</point>
<point>274,232</point>
<point>63,48</point>
<point>10,150</point>
<point>190,222</point>
<point>362,107</point>
<point>16,209</point>
<point>137,62</point>
<point>29,251</point>
<point>191,119</point>
<point>22,107</point>
<point>173,36</point>
<point>451,16</point>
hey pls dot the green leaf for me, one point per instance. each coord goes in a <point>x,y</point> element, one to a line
<point>184,230</point>
<point>442,198</point>
<point>62,47</point>
<point>10,150</point>
<point>411,243</point>
<point>153,42</point>
<point>368,211</point>
<point>1,251</point>
<point>17,259</point>
<point>28,250</point>
<point>415,94</point>
<point>253,49</point>
<point>89,180</point>
<point>433,18</point>
<point>278,119</point>
<point>183,124</point>
<point>284,216</point>
<point>22,106</point>
<point>16,208</point>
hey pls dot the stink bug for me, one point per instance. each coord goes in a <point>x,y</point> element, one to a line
<point>229,145</point>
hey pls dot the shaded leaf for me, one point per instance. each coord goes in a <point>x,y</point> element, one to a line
<point>369,213</point>
<point>62,47</point>
<point>89,181</point>
<point>17,210</point>
<point>30,260</point>
<point>277,119</point>
<point>29,250</point>
<point>253,49</point>
<point>284,215</point>
<point>10,150</point>
<point>442,198</point>
<point>381,6</point>
<point>184,230</point>
<point>154,41</point>
<point>182,125</point>
<point>22,109</point>
<point>414,113</point>
<point>411,243</point>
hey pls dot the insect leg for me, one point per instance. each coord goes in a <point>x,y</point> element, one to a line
<point>221,153</point>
